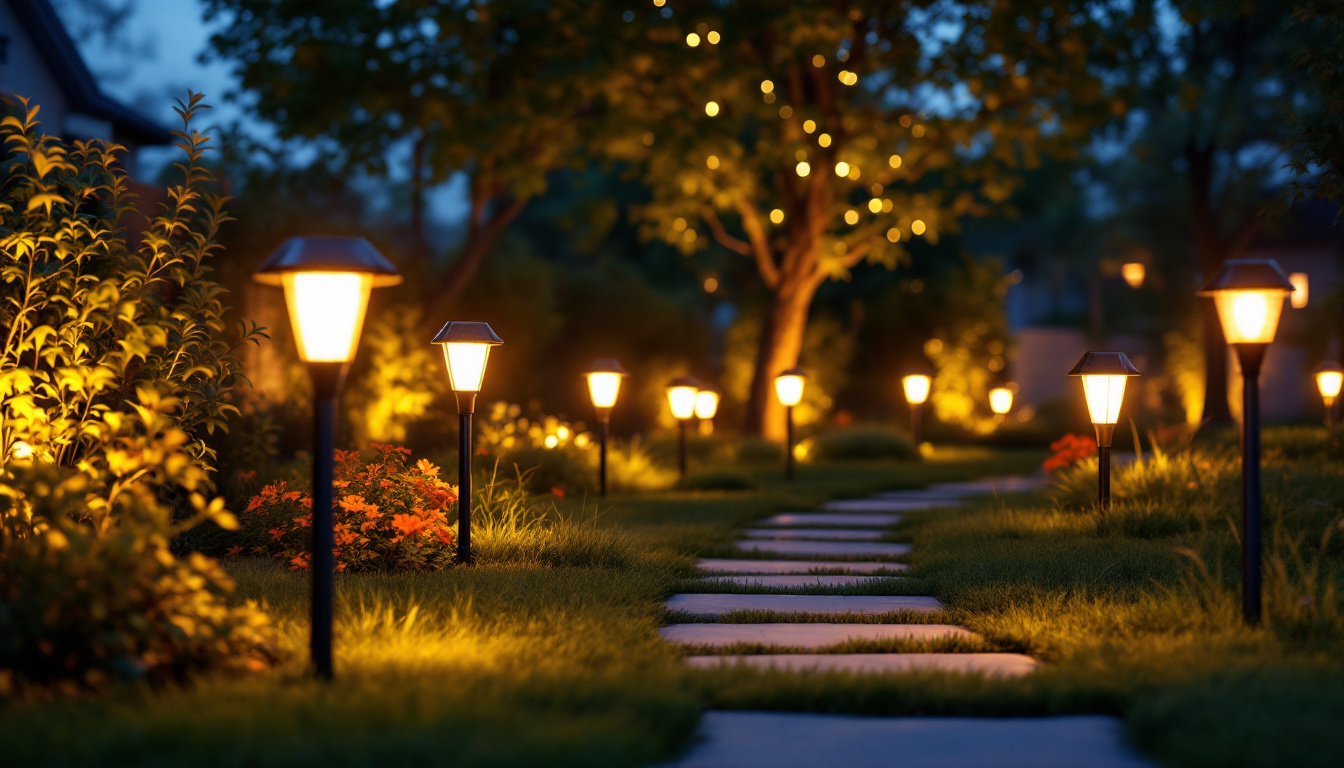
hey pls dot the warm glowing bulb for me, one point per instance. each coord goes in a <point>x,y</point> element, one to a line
<point>1249,316</point>
<point>1133,272</point>
<point>894,161</point>
<point>803,169</point>
<point>711,108</point>
<point>777,216</point>
<point>809,126</point>
<point>466,364</point>
<point>842,168</point>
<point>551,441</point>
<point>851,217</point>
<point>692,39</point>
<point>824,140</point>
<point>767,86</point>
<point>603,387</point>
<point>916,387</point>
<point>681,399</point>
<point>894,235</point>
<point>327,311</point>
<point>789,389</point>
<point>1001,400</point>
<point>875,205</point>
<point>1328,382</point>
<point>1298,298</point>
<point>706,404</point>
<point>712,162</point>
<point>1104,394</point>
<point>713,38</point>
<point>917,227</point>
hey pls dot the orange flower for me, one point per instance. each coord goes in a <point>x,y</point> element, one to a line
<point>255,503</point>
<point>234,551</point>
<point>277,534</point>
<point>303,521</point>
<point>292,495</point>
<point>299,563</point>
<point>340,567</point>
<point>558,491</point>
<point>408,525</point>
<point>445,535</point>
<point>427,468</point>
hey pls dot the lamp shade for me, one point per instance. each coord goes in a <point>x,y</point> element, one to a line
<point>1249,295</point>
<point>706,403</point>
<point>1104,375</point>
<point>916,386</point>
<point>466,348</point>
<point>604,381</point>
<point>1134,272</point>
<point>327,282</point>
<point>1001,400</point>
<point>681,396</point>
<point>1329,378</point>
<point>789,386</point>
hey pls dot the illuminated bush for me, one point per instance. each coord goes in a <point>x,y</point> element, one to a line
<point>857,443</point>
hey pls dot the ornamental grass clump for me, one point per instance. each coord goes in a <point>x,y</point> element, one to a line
<point>389,516</point>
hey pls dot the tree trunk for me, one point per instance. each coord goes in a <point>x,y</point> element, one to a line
<point>482,237</point>
<point>1216,408</point>
<point>1210,250</point>
<point>780,344</point>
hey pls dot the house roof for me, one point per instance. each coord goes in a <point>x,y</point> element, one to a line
<point>42,24</point>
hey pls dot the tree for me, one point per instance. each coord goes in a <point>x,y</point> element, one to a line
<point>492,90</point>
<point>1318,26</point>
<point>811,136</point>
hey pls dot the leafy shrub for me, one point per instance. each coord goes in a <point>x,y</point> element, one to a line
<point>388,517</point>
<point>114,368</point>
<point>755,450</point>
<point>567,469</point>
<point>1201,481</point>
<point>632,466</point>
<point>719,481</point>
<point>1292,443</point>
<point>869,442</point>
<point>89,590</point>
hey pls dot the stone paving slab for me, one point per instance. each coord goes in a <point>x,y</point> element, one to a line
<point>833,519</point>
<point>812,534</point>
<point>1005,484</point>
<point>783,740</point>
<point>888,505</point>
<point>987,664</point>
<point>720,604</point>
<point>824,548</point>
<point>798,580</point>
<point>727,565</point>
<point>809,636</point>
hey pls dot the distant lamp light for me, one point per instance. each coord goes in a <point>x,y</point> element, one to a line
<point>1249,295</point>
<point>466,349</point>
<point>916,386</point>
<point>706,407</point>
<point>789,389</point>
<point>604,384</point>
<point>1298,298</point>
<point>1134,272</point>
<point>1104,376</point>
<point>681,400</point>
<point>1001,401</point>
<point>1329,378</point>
<point>327,282</point>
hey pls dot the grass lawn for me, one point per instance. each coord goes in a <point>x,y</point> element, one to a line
<point>546,654</point>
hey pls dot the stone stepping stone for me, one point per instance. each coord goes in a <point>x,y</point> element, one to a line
<point>833,519</point>
<point>798,580</point>
<point>786,740</point>
<point>1005,484</point>
<point>888,505</point>
<point>725,565</point>
<point>987,664</point>
<point>824,548</point>
<point>812,534</point>
<point>810,636</point>
<point>720,605</point>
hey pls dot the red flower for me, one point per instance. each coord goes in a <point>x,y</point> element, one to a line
<point>558,491</point>
<point>1069,450</point>
<point>445,535</point>
<point>299,563</point>
<point>234,551</point>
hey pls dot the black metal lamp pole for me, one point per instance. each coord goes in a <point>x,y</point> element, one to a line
<point>1249,295</point>
<point>327,281</point>
<point>603,434</point>
<point>466,407</point>
<point>788,442</point>
<point>914,423</point>
<point>1105,433</point>
<point>681,446</point>
<point>1251,357</point>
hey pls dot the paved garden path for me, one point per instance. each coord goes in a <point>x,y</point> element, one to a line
<point>787,622</point>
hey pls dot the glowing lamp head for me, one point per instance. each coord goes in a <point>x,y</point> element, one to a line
<point>1001,400</point>
<point>1249,295</point>
<point>916,386</point>
<point>1301,283</point>
<point>327,282</point>
<point>1104,375</point>
<point>681,397</point>
<point>706,403</point>
<point>1134,272</point>
<point>789,386</point>
<point>1329,378</point>
<point>604,381</point>
<point>466,348</point>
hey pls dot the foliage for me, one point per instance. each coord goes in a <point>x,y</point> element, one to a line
<point>1183,362</point>
<point>89,318</point>
<point>388,516</point>
<point>827,351</point>
<point>1069,450</point>
<point>403,377</point>
<point>1318,27</point>
<point>505,428</point>
<point>863,442</point>
<point>633,467</point>
<point>969,348</point>
<point>91,590</point>
<point>558,470</point>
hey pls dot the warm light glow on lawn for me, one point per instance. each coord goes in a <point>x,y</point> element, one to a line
<point>327,312</point>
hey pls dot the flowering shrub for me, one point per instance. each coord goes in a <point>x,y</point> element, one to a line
<point>505,429</point>
<point>388,516</point>
<point>1069,450</point>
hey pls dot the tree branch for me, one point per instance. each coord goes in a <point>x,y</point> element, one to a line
<point>734,244</point>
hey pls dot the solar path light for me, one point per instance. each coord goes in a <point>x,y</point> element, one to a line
<point>604,377</point>
<point>681,393</point>
<point>789,389</point>
<point>1104,375</point>
<point>916,387</point>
